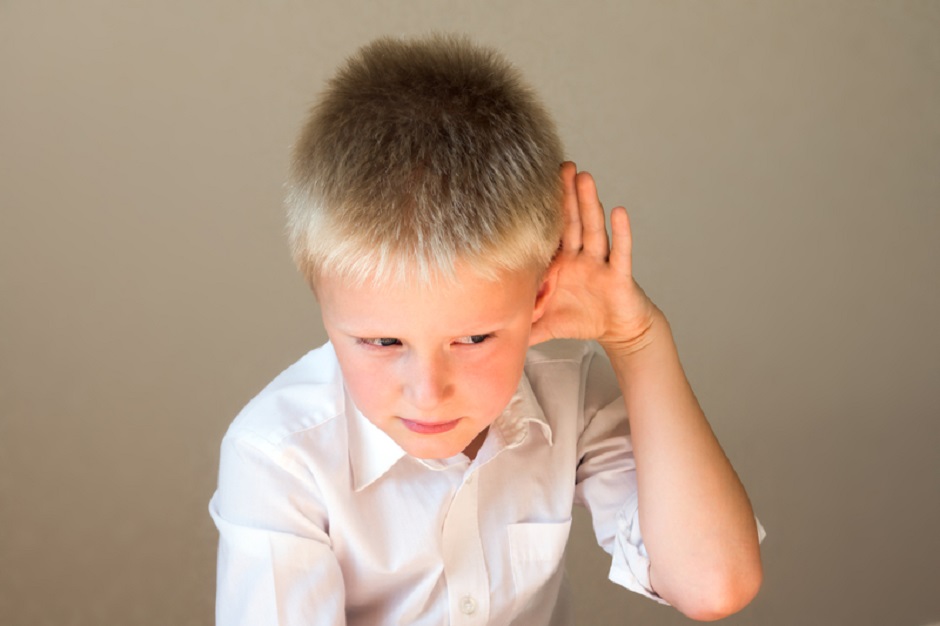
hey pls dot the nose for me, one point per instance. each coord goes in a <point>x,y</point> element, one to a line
<point>428,381</point>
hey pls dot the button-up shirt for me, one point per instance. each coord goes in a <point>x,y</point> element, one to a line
<point>324,519</point>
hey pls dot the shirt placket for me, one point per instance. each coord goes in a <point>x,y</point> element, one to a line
<point>464,564</point>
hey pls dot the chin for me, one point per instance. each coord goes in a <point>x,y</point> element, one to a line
<point>435,451</point>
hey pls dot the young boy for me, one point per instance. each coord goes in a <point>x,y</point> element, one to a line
<point>421,467</point>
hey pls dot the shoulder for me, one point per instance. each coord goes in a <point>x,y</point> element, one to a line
<point>571,367</point>
<point>570,351</point>
<point>306,396</point>
<point>556,368</point>
<point>563,358</point>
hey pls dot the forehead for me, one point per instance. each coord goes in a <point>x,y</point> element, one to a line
<point>465,303</point>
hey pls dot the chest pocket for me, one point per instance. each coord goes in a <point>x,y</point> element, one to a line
<point>536,551</point>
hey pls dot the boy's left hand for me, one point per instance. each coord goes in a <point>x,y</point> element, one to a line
<point>594,296</point>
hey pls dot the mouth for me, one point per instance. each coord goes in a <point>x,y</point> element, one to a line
<point>429,428</point>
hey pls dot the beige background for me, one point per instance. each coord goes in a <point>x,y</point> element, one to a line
<point>781,161</point>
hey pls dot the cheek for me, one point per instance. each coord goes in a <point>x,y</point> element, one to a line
<point>368,382</point>
<point>495,380</point>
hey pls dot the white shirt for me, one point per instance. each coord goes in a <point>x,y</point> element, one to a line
<point>324,519</point>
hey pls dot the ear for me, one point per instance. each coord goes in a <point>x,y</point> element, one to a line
<point>545,292</point>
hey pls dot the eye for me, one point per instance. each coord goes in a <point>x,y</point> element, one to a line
<point>473,339</point>
<point>380,342</point>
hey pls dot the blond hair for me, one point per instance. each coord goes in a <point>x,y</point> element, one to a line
<point>422,154</point>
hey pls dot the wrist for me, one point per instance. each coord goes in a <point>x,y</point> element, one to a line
<point>641,335</point>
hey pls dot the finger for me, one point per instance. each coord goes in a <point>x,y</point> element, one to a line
<point>621,249</point>
<point>571,236</point>
<point>594,228</point>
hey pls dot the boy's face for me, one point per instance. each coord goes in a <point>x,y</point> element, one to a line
<point>433,366</point>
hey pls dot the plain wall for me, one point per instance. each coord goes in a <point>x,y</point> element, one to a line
<point>781,163</point>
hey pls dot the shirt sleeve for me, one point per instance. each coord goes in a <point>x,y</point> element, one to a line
<point>606,478</point>
<point>275,562</point>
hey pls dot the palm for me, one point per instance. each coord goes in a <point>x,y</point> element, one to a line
<point>595,296</point>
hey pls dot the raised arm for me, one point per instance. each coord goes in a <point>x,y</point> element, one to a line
<point>696,520</point>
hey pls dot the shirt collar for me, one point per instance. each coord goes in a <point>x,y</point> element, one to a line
<point>372,453</point>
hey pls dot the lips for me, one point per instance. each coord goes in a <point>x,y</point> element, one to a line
<point>429,428</point>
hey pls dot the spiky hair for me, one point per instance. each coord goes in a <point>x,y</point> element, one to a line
<point>422,154</point>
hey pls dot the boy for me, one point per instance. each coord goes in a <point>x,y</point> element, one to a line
<point>420,468</point>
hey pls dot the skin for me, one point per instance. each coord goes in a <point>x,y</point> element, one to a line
<point>697,521</point>
<point>422,356</point>
<point>698,525</point>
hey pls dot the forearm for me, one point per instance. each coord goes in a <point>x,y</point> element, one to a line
<point>695,516</point>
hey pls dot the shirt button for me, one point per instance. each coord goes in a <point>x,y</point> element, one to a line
<point>468,605</point>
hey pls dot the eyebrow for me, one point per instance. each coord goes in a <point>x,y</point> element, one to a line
<point>487,327</point>
<point>489,330</point>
